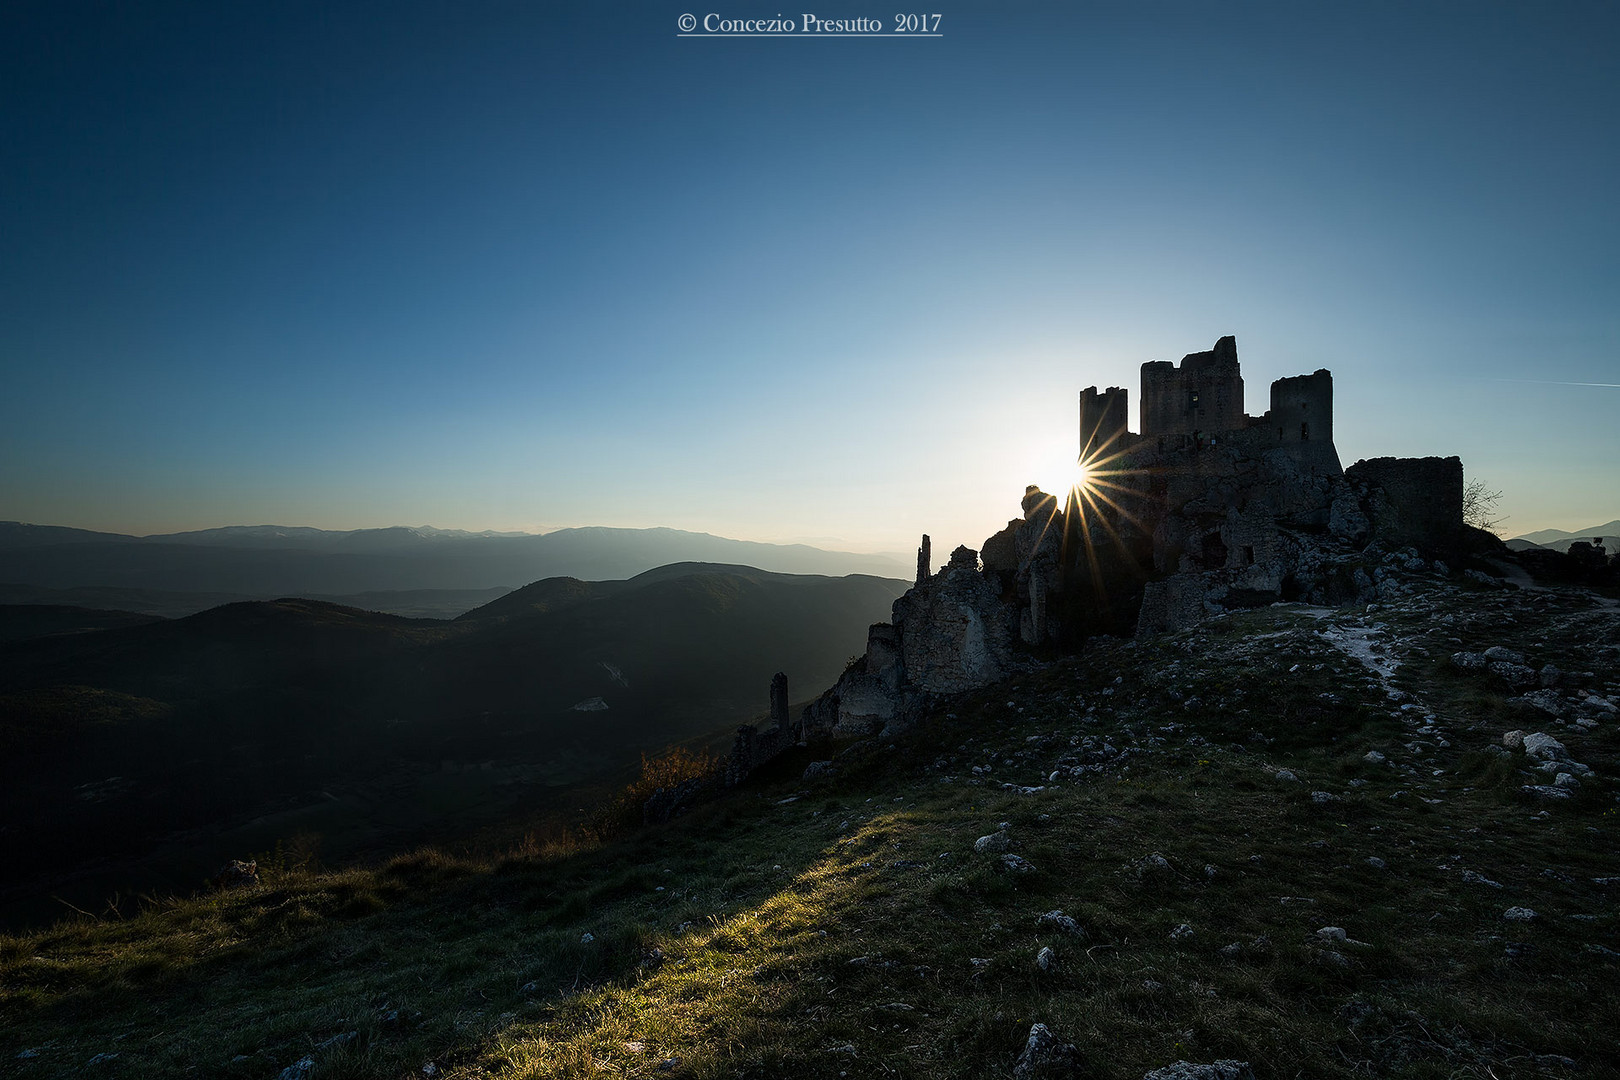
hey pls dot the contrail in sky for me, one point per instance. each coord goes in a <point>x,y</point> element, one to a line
<point>1552,382</point>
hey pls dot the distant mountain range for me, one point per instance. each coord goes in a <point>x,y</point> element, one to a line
<point>269,561</point>
<point>1608,534</point>
<point>250,721</point>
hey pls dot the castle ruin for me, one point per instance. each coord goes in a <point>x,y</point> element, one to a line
<point>1204,509</point>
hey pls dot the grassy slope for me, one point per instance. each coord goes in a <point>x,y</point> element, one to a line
<point>854,930</point>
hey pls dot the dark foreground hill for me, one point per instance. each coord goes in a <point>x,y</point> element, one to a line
<point>21,622</point>
<point>138,758</point>
<point>1294,840</point>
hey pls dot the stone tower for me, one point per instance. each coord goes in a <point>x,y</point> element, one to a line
<point>1103,419</point>
<point>1202,396</point>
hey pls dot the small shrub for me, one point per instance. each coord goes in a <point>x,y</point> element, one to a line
<point>667,771</point>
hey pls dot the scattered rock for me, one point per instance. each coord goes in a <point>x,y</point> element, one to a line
<point>820,770</point>
<point>298,1070</point>
<point>1046,959</point>
<point>586,938</point>
<point>1547,701</point>
<point>1517,676</point>
<point>1154,864</point>
<point>1017,865</point>
<point>1056,920</point>
<point>1045,1057</point>
<point>1373,757</point>
<point>1320,797</point>
<point>1181,932</point>
<point>1376,863</point>
<point>995,843</point>
<point>1544,747</point>
<point>1287,776</point>
<point>1519,914</point>
<point>1225,1069</point>
<point>1504,655</point>
<point>1513,740</point>
<point>1480,879</point>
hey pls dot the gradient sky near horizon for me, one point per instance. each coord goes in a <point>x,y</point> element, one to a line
<point>530,265</point>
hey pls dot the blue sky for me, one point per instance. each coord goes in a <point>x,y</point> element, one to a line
<point>519,266</point>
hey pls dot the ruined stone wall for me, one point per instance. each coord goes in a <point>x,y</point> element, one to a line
<point>1418,502</point>
<point>1203,396</point>
<point>753,747</point>
<point>953,636</point>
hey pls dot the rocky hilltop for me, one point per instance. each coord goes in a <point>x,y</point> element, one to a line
<point>1298,840</point>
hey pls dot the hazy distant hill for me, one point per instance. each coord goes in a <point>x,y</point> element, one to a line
<point>111,739</point>
<point>414,603</point>
<point>1559,540</point>
<point>263,562</point>
<point>16,534</point>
